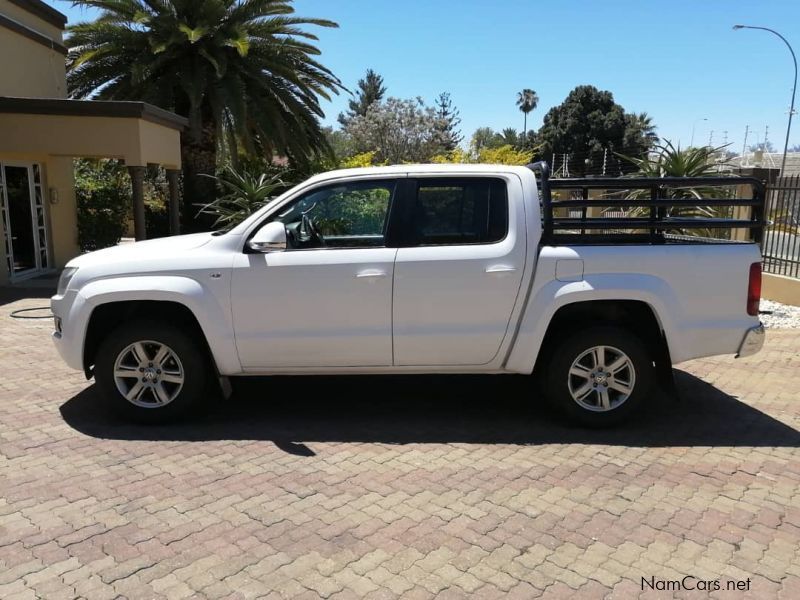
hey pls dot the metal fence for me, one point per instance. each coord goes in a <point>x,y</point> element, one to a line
<point>781,245</point>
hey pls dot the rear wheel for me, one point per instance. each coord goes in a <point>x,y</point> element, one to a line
<point>151,371</point>
<point>599,376</point>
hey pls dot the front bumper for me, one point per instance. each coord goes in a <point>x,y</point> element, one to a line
<point>753,341</point>
<point>69,329</point>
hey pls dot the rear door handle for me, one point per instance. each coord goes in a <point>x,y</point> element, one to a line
<point>370,274</point>
<point>500,269</point>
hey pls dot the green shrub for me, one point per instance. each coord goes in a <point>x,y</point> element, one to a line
<point>156,203</point>
<point>103,194</point>
<point>156,218</point>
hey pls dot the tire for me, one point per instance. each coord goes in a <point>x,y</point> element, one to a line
<point>168,382</point>
<point>599,397</point>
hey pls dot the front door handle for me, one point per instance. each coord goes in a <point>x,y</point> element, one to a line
<point>500,269</point>
<point>370,274</point>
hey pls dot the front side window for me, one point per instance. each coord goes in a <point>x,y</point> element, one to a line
<point>459,211</point>
<point>347,215</point>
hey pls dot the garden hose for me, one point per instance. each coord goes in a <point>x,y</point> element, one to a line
<point>17,314</point>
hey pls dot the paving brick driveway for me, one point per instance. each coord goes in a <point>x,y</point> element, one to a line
<point>388,487</point>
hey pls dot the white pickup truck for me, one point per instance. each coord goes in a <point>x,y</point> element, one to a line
<point>421,269</point>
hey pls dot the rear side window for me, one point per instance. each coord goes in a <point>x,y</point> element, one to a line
<point>459,211</point>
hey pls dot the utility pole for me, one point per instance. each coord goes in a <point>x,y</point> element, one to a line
<point>711,139</point>
<point>744,146</point>
<point>794,88</point>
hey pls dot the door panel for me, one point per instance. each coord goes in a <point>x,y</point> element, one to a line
<point>314,308</point>
<point>326,301</point>
<point>453,301</point>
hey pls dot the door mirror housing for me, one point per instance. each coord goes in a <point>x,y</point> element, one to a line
<point>270,238</point>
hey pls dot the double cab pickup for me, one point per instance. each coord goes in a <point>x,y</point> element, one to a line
<point>424,269</point>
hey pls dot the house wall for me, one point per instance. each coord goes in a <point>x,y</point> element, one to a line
<point>30,68</point>
<point>32,20</point>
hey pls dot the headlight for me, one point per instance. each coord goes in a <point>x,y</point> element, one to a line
<point>63,281</point>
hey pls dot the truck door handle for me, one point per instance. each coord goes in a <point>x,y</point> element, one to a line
<point>500,269</point>
<point>370,274</point>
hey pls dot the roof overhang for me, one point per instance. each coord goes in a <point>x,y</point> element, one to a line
<point>135,132</point>
<point>43,11</point>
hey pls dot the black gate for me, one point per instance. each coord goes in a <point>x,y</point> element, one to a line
<point>781,243</point>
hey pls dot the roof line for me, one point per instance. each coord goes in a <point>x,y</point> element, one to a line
<point>43,11</point>
<point>93,108</point>
<point>31,34</point>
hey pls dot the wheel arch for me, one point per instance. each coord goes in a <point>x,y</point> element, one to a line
<point>636,316</point>
<point>107,316</point>
<point>110,301</point>
<point>608,296</point>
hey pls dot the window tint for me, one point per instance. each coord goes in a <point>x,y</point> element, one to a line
<point>460,211</point>
<point>350,215</point>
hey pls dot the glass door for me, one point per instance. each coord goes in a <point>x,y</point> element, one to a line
<point>24,225</point>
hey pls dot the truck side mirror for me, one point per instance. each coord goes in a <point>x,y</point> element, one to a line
<point>270,238</point>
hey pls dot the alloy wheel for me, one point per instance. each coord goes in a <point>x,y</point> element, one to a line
<point>601,379</point>
<point>148,374</point>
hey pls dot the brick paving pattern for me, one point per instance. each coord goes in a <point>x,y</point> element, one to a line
<point>396,487</point>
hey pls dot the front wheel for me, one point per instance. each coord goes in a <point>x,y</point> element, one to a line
<point>599,376</point>
<point>151,371</point>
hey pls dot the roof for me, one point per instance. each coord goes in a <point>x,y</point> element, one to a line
<point>428,168</point>
<point>770,160</point>
<point>93,108</point>
<point>43,11</point>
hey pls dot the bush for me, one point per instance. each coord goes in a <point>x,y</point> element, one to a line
<point>103,196</point>
<point>156,218</point>
<point>156,203</point>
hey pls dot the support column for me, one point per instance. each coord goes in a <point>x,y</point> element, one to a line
<point>137,185</point>
<point>174,201</point>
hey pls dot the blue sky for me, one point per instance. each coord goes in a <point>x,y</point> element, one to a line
<point>678,60</point>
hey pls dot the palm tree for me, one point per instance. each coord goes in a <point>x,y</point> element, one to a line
<point>527,100</point>
<point>641,125</point>
<point>242,71</point>
<point>510,137</point>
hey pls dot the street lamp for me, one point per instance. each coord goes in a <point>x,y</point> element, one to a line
<point>794,89</point>
<point>691,143</point>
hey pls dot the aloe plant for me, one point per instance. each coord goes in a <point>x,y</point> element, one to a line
<point>670,161</point>
<point>244,193</point>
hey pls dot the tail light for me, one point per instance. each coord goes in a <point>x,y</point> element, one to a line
<point>754,289</point>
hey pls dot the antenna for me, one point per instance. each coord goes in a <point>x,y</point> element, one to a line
<point>744,146</point>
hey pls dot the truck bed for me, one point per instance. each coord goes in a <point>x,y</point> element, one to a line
<point>666,210</point>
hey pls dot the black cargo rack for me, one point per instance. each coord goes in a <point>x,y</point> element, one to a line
<point>656,228</point>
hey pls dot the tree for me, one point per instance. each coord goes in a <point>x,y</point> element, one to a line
<point>527,101</point>
<point>396,131</point>
<point>510,137</point>
<point>244,73</point>
<point>639,128</point>
<point>589,123</point>
<point>485,137</point>
<point>370,91</point>
<point>502,155</point>
<point>447,122</point>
